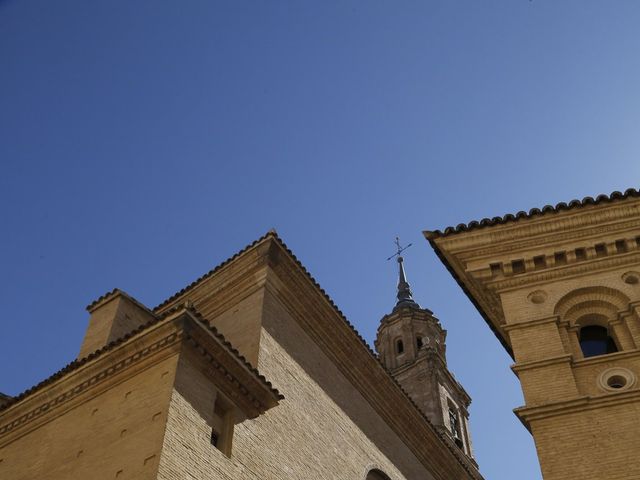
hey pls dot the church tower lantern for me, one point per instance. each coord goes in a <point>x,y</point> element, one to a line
<point>411,344</point>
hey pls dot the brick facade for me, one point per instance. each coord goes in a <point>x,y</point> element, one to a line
<point>542,281</point>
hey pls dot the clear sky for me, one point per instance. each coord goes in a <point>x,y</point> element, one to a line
<point>143,142</point>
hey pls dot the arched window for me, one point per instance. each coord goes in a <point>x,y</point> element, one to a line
<point>399,346</point>
<point>594,314</point>
<point>376,474</point>
<point>595,340</point>
<point>419,342</point>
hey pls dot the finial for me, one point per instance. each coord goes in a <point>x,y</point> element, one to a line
<point>404,295</point>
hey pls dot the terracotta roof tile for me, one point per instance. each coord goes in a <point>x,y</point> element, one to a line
<point>231,349</point>
<point>113,293</point>
<point>534,212</point>
<point>270,233</point>
<point>74,365</point>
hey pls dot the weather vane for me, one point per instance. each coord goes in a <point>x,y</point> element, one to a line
<point>399,250</point>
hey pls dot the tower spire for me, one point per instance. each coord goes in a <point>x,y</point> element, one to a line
<point>411,345</point>
<point>404,295</point>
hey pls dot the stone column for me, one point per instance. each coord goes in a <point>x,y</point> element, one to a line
<point>622,335</point>
<point>632,321</point>
<point>574,339</point>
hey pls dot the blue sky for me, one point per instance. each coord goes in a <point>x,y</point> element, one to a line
<point>143,142</point>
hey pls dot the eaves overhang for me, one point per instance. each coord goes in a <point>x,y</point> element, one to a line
<point>533,213</point>
<point>448,263</point>
<point>168,334</point>
<point>463,248</point>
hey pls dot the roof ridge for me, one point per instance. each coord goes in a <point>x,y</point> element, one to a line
<point>270,234</point>
<point>112,293</point>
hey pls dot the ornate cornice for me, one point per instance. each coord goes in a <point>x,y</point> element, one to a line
<point>568,271</point>
<point>579,363</point>
<point>520,252</point>
<point>546,241</point>
<point>531,323</point>
<point>561,210</point>
<point>522,366</point>
<point>150,344</point>
<point>581,404</point>
<point>236,378</point>
<point>93,376</point>
<point>414,314</point>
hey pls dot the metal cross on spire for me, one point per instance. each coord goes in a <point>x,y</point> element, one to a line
<point>404,295</point>
<point>399,250</point>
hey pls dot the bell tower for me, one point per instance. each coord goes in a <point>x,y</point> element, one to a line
<point>560,288</point>
<point>411,345</point>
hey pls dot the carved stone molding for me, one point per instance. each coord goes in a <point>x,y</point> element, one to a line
<point>572,270</point>
<point>560,237</point>
<point>181,327</point>
<point>93,381</point>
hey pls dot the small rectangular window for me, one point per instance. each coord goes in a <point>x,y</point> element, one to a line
<point>496,269</point>
<point>621,246</point>
<point>517,266</point>
<point>222,425</point>
<point>601,250</point>
<point>539,262</point>
<point>560,258</point>
<point>581,254</point>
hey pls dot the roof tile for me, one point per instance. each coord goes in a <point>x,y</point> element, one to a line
<point>534,212</point>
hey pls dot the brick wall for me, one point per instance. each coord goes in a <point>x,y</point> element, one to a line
<point>323,429</point>
<point>597,444</point>
<point>115,434</point>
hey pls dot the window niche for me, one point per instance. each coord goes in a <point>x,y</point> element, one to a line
<point>518,266</point>
<point>601,250</point>
<point>595,340</point>
<point>621,246</point>
<point>454,424</point>
<point>419,342</point>
<point>596,321</point>
<point>222,425</point>
<point>399,346</point>
<point>560,258</point>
